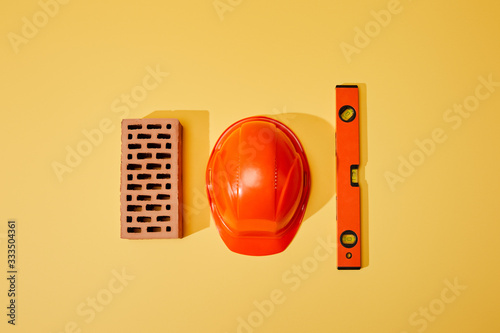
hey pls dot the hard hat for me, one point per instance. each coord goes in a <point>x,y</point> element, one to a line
<point>258,184</point>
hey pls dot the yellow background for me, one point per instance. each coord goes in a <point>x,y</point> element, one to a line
<point>278,58</point>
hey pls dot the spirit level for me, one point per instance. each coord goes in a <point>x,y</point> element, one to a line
<point>347,150</point>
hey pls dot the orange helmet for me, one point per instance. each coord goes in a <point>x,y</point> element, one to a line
<point>258,184</point>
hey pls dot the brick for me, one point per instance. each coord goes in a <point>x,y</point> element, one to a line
<point>151,179</point>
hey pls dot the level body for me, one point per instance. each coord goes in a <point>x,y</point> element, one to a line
<point>348,195</point>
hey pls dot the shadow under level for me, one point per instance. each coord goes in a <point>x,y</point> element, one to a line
<point>363,140</point>
<point>363,183</point>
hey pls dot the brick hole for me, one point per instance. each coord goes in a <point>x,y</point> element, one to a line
<point>163,136</point>
<point>134,208</point>
<point>153,186</point>
<point>168,207</point>
<point>134,146</point>
<point>168,145</point>
<point>144,197</point>
<point>163,218</point>
<point>134,187</point>
<point>169,126</point>
<point>133,230</point>
<point>153,229</point>
<point>129,198</point>
<point>154,145</point>
<point>162,155</point>
<point>153,207</point>
<point>169,229</point>
<point>134,167</point>
<point>168,186</point>
<point>134,127</point>
<point>144,176</point>
<point>162,197</point>
<point>153,166</point>
<point>130,177</point>
<point>129,156</point>
<point>162,176</point>
<point>154,126</point>
<point>130,136</point>
<point>129,218</point>
<point>143,156</point>
<point>143,136</point>
<point>143,219</point>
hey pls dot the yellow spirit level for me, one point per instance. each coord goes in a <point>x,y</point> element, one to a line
<point>348,198</point>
